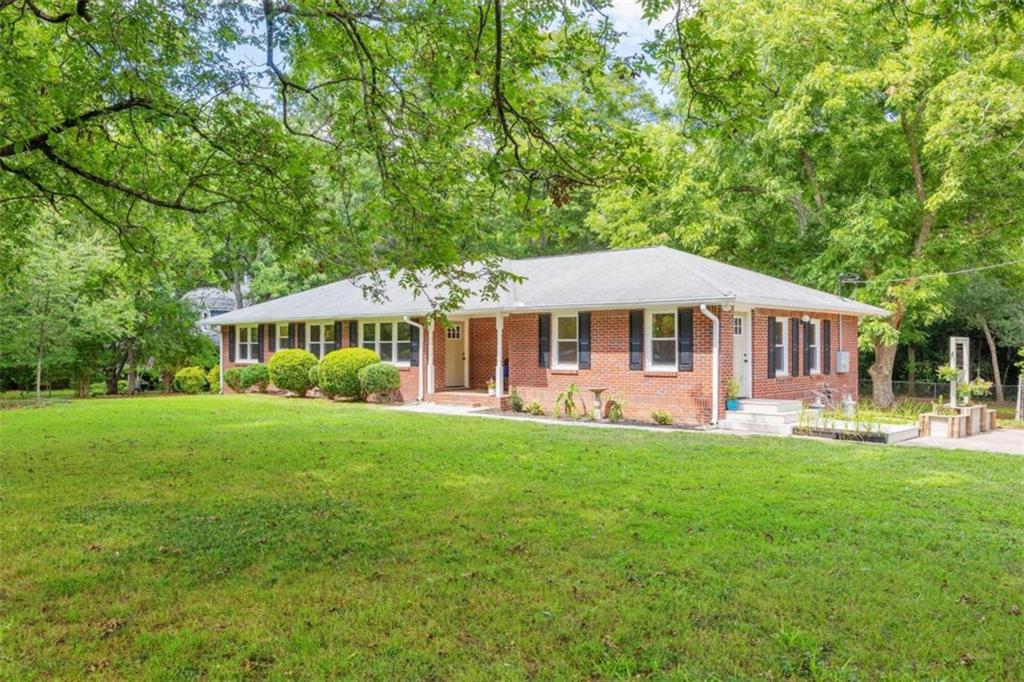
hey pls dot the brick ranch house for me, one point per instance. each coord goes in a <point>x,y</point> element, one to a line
<point>658,328</point>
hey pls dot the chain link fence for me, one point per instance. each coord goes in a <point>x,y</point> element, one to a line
<point>933,390</point>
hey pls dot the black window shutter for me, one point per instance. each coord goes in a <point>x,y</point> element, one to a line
<point>353,333</point>
<point>771,347</point>
<point>337,334</point>
<point>636,339</point>
<point>807,347</point>
<point>543,339</point>
<point>826,346</point>
<point>684,335</point>
<point>300,327</point>
<point>272,340</point>
<point>231,343</point>
<point>794,346</point>
<point>414,346</point>
<point>259,342</point>
<point>584,336</point>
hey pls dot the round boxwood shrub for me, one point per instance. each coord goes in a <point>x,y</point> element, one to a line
<point>380,380</point>
<point>314,376</point>
<point>255,375</point>
<point>289,370</point>
<point>339,371</point>
<point>190,380</point>
<point>213,378</point>
<point>233,378</point>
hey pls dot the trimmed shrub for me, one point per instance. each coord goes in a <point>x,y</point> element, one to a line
<point>661,417</point>
<point>213,378</point>
<point>255,375</point>
<point>122,386</point>
<point>289,370</point>
<point>379,379</point>
<point>233,378</point>
<point>190,380</point>
<point>515,401</point>
<point>314,376</point>
<point>339,371</point>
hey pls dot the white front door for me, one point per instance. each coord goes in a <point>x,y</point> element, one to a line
<point>455,354</point>
<point>741,351</point>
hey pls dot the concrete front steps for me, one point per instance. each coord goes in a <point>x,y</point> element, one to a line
<point>465,398</point>
<point>763,416</point>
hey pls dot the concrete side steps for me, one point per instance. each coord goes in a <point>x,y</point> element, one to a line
<point>763,405</point>
<point>763,417</point>
<point>755,427</point>
<point>464,399</point>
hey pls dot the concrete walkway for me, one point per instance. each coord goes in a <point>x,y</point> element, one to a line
<point>1006,441</point>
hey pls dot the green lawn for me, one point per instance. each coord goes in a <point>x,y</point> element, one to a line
<point>264,537</point>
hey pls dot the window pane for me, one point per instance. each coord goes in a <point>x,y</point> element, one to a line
<point>780,359</point>
<point>567,327</point>
<point>386,352</point>
<point>243,334</point>
<point>812,334</point>
<point>314,333</point>
<point>403,331</point>
<point>404,351</point>
<point>780,332</point>
<point>243,351</point>
<point>386,331</point>
<point>329,333</point>
<point>567,353</point>
<point>663,326</point>
<point>663,352</point>
<point>369,332</point>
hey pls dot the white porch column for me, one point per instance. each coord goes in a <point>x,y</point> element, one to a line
<point>499,369</point>
<point>430,356</point>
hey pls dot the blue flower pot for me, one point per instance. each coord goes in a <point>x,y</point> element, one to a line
<point>732,404</point>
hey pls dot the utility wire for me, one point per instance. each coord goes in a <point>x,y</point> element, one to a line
<point>846,280</point>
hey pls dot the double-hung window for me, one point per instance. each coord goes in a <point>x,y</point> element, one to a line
<point>781,356</point>
<point>392,341</point>
<point>663,341</point>
<point>283,338</point>
<point>248,343</point>
<point>320,338</point>
<point>813,358</point>
<point>567,341</point>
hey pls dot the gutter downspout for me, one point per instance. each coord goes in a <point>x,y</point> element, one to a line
<point>430,356</point>
<point>419,390</point>
<point>220,360</point>
<point>714,362</point>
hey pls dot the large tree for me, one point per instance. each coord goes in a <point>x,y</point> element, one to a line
<point>811,139</point>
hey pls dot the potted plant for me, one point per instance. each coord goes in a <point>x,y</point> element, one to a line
<point>490,387</point>
<point>975,413</point>
<point>944,421</point>
<point>732,392</point>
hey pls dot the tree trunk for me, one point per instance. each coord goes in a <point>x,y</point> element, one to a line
<point>911,370</point>
<point>39,373</point>
<point>996,379</point>
<point>881,375</point>
<point>133,375</point>
<point>236,287</point>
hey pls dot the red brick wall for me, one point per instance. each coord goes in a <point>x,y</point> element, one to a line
<point>685,395</point>
<point>802,386</point>
<point>483,346</point>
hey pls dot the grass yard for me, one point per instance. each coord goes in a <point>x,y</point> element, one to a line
<point>252,536</point>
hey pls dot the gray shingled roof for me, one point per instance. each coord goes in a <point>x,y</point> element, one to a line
<point>606,279</point>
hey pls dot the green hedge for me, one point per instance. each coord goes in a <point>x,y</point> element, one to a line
<point>190,380</point>
<point>233,378</point>
<point>255,375</point>
<point>380,380</point>
<point>289,370</point>
<point>213,378</point>
<point>339,371</point>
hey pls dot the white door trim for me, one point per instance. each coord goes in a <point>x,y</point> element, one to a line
<point>464,325</point>
<point>746,373</point>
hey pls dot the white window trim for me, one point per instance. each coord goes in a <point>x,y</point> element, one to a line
<point>309,343</point>
<point>555,364</point>
<point>253,329</point>
<point>817,347</point>
<point>394,339</point>
<point>277,334</point>
<point>649,340</point>
<point>784,370</point>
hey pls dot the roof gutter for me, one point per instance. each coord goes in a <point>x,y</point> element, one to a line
<point>714,362</point>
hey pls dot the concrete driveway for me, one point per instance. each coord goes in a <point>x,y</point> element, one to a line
<point>1007,441</point>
